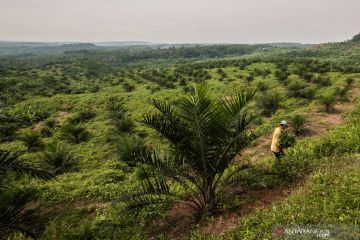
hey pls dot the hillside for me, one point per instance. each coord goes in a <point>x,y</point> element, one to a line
<point>81,115</point>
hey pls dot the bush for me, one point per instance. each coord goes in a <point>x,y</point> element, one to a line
<point>74,133</point>
<point>341,93</point>
<point>125,125</point>
<point>58,158</point>
<point>281,75</point>
<point>262,86</point>
<point>297,122</point>
<point>307,93</point>
<point>116,107</point>
<point>287,139</point>
<point>322,80</point>
<point>8,131</point>
<point>269,102</point>
<point>295,86</point>
<point>82,117</point>
<point>128,145</point>
<point>328,102</point>
<point>45,131</point>
<point>32,140</point>
<point>349,81</point>
<point>128,87</point>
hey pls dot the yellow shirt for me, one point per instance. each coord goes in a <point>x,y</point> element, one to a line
<point>275,140</point>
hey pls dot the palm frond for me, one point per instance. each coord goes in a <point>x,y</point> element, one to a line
<point>235,177</point>
<point>10,162</point>
<point>235,107</point>
<point>169,129</point>
<point>16,217</point>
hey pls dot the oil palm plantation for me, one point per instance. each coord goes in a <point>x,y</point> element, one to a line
<point>205,135</point>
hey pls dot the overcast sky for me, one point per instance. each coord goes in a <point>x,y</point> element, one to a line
<point>180,21</point>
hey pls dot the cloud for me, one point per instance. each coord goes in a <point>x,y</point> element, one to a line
<point>179,21</point>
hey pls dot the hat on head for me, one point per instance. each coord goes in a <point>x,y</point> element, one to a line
<point>283,122</point>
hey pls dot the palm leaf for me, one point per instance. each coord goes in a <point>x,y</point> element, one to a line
<point>10,162</point>
<point>16,217</point>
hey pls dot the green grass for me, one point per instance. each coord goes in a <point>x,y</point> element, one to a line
<point>102,175</point>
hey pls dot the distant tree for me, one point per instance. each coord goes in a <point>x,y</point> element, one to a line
<point>269,102</point>
<point>328,102</point>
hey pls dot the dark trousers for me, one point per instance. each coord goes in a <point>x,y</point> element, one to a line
<point>279,154</point>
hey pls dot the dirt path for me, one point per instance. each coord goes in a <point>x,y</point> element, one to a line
<point>180,219</point>
<point>319,122</point>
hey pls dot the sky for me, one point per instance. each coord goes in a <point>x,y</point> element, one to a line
<point>180,21</point>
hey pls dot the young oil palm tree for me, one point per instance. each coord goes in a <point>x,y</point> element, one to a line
<point>205,135</point>
<point>14,216</point>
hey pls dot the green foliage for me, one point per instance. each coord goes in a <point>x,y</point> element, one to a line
<point>333,194</point>
<point>262,86</point>
<point>269,102</point>
<point>349,81</point>
<point>14,215</point>
<point>74,133</point>
<point>327,101</point>
<point>128,87</point>
<point>58,158</point>
<point>82,116</point>
<point>126,124</point>
<point>341,93</point>
<point>287,139</point>
<point>322,80</point>
<point>307,93</point>
<point>205,135</point>
<point>297,122</point>
<point>8,131</point>
<point>32,140</point>
<point>31,114</point>
<point>126,146</point>
<point>295,86</point>
<point>116,108</point>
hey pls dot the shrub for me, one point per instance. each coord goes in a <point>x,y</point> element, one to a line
<point>82,116</point>
<point>45,131</point>
<point>341,93</point>
<point>269,102</point>
<point>349,81</point>
<point>50,123</point>
<point>250,77</point>
<point>8,131</point>
<point>297,122</point>
<point>74,133</point>
<point>125,124</point>
<point>116,108</point>
<point>287,139</point>
<point>32,140</point>
<point>128,145</point>
<point>307,93</point>
<point>58,158</point>
<point>128,87</point>
<point>262,86</point>
<point>322,80</point>
<point>281,75</point>
<point>295,86</point>
<point>328,102</point>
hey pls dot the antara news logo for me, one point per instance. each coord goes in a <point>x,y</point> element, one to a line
<point>331,231</point>
<point>292,232</point>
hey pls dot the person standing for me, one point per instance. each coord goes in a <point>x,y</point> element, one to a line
<point>275,145</point>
